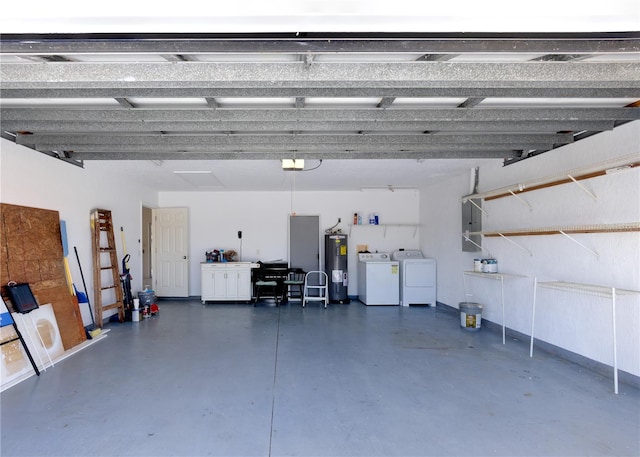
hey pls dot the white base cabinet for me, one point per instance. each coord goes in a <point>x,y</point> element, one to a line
<point>225,281</point>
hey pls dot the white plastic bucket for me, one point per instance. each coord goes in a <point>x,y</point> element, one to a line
<point>470,316</point>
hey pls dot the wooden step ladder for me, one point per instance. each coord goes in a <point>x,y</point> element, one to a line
<point>106,287</point>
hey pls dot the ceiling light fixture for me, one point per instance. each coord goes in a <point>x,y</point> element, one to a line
<point>388,188</point>
<point>192,172</point>
<point>293,164</point>
<point>201,179</point>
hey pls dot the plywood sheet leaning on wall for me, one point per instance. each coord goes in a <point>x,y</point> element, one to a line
<point>31,251</point>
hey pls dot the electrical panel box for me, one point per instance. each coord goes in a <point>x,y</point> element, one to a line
<point>471,222</point>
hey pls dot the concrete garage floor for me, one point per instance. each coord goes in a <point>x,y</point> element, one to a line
<point>351,380</point>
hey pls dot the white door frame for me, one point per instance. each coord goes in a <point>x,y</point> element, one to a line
<point>170,247</point>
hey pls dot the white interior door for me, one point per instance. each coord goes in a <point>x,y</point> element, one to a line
<point>171,248</point>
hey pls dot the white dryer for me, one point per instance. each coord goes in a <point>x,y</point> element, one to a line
<point>417,278</point>
<point>378,279</point>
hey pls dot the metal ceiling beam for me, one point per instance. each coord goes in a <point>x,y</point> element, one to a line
<point>176,151</point>
<point>296,75</point>
<point>322,114</point>
<point>275,155</point>
<point>241,140</point>
<point>557,43</point>
<point>590,91</point>
<point>80,127</point>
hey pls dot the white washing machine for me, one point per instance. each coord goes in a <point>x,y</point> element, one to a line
<point>417,278</point>
<point>378,282</point>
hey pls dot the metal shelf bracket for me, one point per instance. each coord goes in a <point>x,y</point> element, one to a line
<point>580,244</point>
<point>466,236</point>
<point>483,211</point>
<point>520,199</point>
<point>581,186</point>
<point>516,244</point>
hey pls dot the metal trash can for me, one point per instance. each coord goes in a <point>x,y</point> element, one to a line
<point>470,316</point>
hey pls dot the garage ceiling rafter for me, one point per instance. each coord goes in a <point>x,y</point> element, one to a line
<point>321,96</point>
<point>303,43</point>
<point>295,79</point>
<point>325,114</point>
<point>143,126</point>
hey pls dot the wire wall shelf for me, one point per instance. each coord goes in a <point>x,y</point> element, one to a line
<point>607,167</point>
<point>610,293</point>
<point>570,229</point>
<point>588,289</point>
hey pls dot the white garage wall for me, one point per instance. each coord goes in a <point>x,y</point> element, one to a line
<point>440,235</point>
<point>216,217</point>
<point>576,322</point>
<point>30,178</point>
